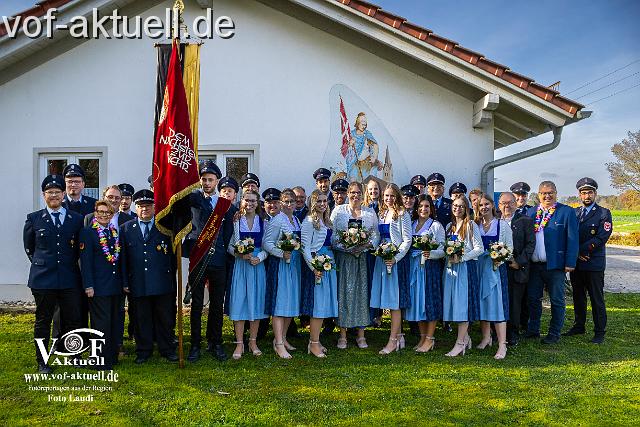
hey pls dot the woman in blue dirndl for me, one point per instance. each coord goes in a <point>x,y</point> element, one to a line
<point>372,196</point>
<point>395,227</point>
<point>426,275</point>
<point>322,301</point>
<point>248,283</point>
<point>461,286</point>
<point>287,292</point>
<point>494,290</point>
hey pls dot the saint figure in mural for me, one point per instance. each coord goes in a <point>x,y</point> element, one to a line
<point>362,153</point>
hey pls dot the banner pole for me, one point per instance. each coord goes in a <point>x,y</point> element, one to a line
<point>180,326</point>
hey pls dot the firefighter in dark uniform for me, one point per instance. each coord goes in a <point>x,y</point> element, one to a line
<point>594,229</point>
<point>101,279</point>
<point>74,200</point>
<point>50,239</point>
<point>203,203</point>
<point>322,175</point>
<point>521,191</point>
<point>457,190</point>
<point>435,188</point>
<point>127,191</point>
<point>149,278</point>
<point>228,187</point>
<point>420,182</point>
<point>339,189</point>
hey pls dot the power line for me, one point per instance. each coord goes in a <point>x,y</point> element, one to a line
<point>600,78</point>
<point>614,94</point>
<point>610,84</point>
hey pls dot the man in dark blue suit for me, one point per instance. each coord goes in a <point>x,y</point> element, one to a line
<point>555,254</point>
<point>435,188</point>
<point>50,239</point>
<point>149,278</point>
<point>595,227</point>
<point>203,202</point>
<point>74,178</point>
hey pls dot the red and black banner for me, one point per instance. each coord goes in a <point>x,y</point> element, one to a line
<point>200,253</point>
<point>175,167</point>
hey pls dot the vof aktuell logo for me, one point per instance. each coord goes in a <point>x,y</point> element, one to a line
<point>74,344</point>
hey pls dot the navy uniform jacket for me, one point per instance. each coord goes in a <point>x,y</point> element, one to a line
<point>523,210</point>
<point>148,268</point>
<point>443,212</point>
<point>98,273</point>
<point>302,214</point>
<point>53,252</point>
<point>594,229</point>
<point>201,211</point>
<point>560,237</point>
<point>85,206</point>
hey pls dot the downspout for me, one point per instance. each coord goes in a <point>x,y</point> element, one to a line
<point>484,175</point>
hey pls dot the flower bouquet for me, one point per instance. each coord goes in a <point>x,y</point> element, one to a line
<point>499,253</point>
<point>386,251</point>
<point>453,248</point>
<point>322,263</point>
<point>354,236</point>
<point>289,242</point>
<point>244,246</point>
<point>425,242</point>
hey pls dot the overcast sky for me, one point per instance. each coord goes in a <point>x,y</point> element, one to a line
<point>548,40</point>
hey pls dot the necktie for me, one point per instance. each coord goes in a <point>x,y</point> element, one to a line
<point>145,232</point>
<point>56,219</point>
<point>583,213</point>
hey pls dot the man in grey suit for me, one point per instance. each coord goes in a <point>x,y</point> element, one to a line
<point>524,243</point>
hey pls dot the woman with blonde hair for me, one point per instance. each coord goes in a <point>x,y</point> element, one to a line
<point>285,302</point>
<point>353,288</point>
<point>319,300</point>
<point>494,288</point>
<point>389,290</point>
<point>461,287</point>
<point>248,283</point>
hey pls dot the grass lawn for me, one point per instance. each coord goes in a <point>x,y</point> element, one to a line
<point>626,221</point>
<point>574,382</point>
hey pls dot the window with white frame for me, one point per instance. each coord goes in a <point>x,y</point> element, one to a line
<point>91,160</point>
<point>232,162</point>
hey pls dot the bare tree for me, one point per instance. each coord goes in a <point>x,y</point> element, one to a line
<point>625,172</point>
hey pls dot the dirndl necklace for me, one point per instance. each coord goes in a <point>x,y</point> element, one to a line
<point>104,244</point>
<point>542,220</point>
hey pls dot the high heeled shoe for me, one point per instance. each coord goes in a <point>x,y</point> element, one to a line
<point>285,355</point>
<point>256,352</point>
<point>415,347</point>
<point>386,351</point>
<point>401,343</point>
<point>501,354</point>
<point>461,347</point>
<point>320,355</point>
<point>236,356</point>
<point>288,346</point>
<point>432,340</point>
<point>486,344</point>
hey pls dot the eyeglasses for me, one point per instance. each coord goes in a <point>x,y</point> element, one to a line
<point>548,193</point>
<point>457,207</point>
<point>74,181</point>
<point>53,193</point>
<point>104,213</point>
<point>355,193</point>
<point>114,198</point>
<point>287,202</point>
<point>505,203</point>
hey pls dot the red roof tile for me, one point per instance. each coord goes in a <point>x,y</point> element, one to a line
<point>474,58</point>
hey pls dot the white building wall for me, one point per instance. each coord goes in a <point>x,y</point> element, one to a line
<point>268,85</point>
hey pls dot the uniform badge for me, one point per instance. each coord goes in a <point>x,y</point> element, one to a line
<point>81,246</point>
<point>158,248</point>
<point>607,226</point>
<point>593,231</point>
<point>72,242</point>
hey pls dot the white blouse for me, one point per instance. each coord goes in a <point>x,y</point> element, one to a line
<point>340,218</point>
<point>242,225</point>
<point>278,225</point>
<point>312,239</point>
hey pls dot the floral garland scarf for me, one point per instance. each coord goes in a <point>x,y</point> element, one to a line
<point>542,221</point>
<point>104,244</point>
